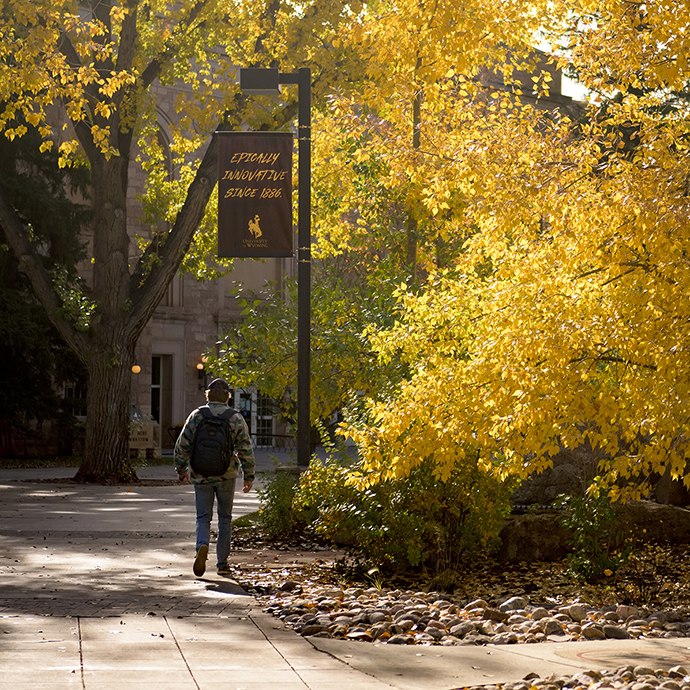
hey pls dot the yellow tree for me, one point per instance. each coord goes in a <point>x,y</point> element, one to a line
<point>415,52</point>
<point>86,75</point>
<point>566,318</point>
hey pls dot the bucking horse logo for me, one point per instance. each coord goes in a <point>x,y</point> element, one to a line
<point>254,227</point>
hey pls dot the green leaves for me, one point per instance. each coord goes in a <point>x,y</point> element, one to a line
<point>261,349</point>
<point>597,551</point>
<point>415,521</point>
<point>76,306</point>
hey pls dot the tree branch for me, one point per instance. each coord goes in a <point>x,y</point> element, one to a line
<point>153,69</point>
<point>125,59</point>
<point>32,266</point>
<point>613,359</point>
<point>147,289</point>
<point>81,127</point>
<point>128,34</point>
<point>101,11</point>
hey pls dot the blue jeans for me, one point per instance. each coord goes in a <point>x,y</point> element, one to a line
<point>204,495</point>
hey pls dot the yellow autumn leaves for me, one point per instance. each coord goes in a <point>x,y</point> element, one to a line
<point>551,247</point>
<point>565,320</point>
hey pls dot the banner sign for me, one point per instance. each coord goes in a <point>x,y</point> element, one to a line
<point>255,194</point>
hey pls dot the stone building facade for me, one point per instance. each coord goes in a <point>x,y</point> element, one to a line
<point>187,323</point>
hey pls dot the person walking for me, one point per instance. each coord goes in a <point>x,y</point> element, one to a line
<point>214,441</point>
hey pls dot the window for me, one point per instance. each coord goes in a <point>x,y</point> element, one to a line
<point>264,420</point>
<point>174,295</point>
<point>244,407</point>
<point>161,395</point>
<point>156,388</point>
<point>75,399</point>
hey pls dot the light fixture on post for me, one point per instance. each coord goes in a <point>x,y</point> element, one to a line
<point>266,82</point>
<point>202,373</point>
<point>260,81</point>
<point>136,369</point>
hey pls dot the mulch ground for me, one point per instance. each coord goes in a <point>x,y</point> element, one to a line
<point>655,576</point>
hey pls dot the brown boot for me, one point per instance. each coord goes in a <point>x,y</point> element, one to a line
<point>200,560</point>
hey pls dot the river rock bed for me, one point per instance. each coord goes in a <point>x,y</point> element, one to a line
<point>404,617</point>
<point>624,678</point>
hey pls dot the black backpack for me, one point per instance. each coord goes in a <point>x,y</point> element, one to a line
<point>213,448</point>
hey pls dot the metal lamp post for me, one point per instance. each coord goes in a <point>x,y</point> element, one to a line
<point>267,82</point>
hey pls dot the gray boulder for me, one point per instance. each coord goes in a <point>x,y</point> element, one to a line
<point>540,536</point>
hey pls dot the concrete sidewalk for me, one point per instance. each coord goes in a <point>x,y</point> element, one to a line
<point>97,592</point>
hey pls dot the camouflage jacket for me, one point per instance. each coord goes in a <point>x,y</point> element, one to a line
<point>242,442</point>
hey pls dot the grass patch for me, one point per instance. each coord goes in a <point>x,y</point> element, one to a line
<point>29,463</point>
<point>74,461</point>
<point>152,462</point>
<point>249,520</point>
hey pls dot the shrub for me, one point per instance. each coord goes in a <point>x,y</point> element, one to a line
<point>598,550</point>
<point>415,521</point>
<point>276,515</point>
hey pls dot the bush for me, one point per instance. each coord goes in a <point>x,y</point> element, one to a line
<point>276,515</point>
<point>415,521</point>
<point>598,551</point>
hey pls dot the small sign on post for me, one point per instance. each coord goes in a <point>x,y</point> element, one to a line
<point>255,194</point>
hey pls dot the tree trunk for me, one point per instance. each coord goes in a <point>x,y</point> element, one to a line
<point>106,450</point>
<point>112,339</point>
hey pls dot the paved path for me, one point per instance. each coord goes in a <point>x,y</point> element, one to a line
<point>97,593</point>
